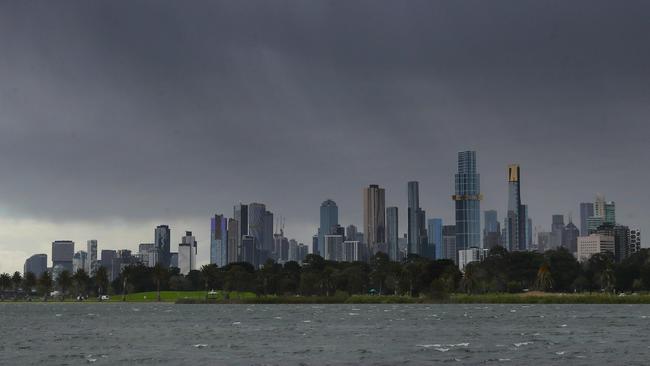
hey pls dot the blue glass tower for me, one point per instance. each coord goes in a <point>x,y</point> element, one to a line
<point>468,202</point>
<point>434,245</point>
<point>329,217</point>
<point>219,240</point>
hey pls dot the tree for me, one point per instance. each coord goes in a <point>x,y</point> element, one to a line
<point>210,274</point>
<point>159,274</point>
<point>17,280</point>
<point>564,268</point>
<point>379,270</point>
<point>81,280</point>
<point>45,283</point>
<point>470,280</point>
<point>607,279</point>
<point>64,281</point>
<point>544,281</point>
<point>101,280</point>
<point>29,282</point>
<point>5,283</point>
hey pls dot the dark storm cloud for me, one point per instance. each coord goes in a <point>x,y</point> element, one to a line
<point>167,109</point>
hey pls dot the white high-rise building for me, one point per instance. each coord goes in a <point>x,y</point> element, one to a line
<point>187,253</point>
<point>634,241</point>
<point>467,256</point>
<point>352,251</point>
<point>593,244</point>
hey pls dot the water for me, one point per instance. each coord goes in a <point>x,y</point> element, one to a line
<point>152,334</point>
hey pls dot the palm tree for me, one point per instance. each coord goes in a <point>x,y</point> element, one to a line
<point>5,283</point>
<point>544,281</point>
<point>28,283</point>
<point>159,274</point>
<point>101,280</point>
<point>45,282</point>
<point>17,279</point>
<point>64,281</point>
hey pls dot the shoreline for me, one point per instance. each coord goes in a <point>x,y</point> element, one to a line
<point>249,298</point>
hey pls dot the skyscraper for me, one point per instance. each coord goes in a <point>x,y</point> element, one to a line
<point>36,264</point>
<point>267,245</point>
<point>374,217</point>
<point>468,202</point>
<point>392,233</point>
<point>91,262</point>
<point>187,253</point>
<point>586,211</point>
<point>234,240</point>
<point>162,240</point>
<point>415,217</point>
<point>449,248</point>
<point>570,237</point>
<point>62,253</point>
<point>557,230</point>
<point>605,210</point>
<point>219,240</point>
<point>492,230</point>
<point>515,218</point>
<point>329,217</point>
<point>241,215</point>
<point>256,213</point>
<point>434,242</point>
<point>351,233</point>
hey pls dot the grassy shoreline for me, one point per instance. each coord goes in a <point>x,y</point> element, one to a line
<point>198,297</point>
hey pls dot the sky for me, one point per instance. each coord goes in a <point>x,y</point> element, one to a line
<point>119,116</point>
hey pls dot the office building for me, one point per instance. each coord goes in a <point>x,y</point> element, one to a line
<point>467,256</point>
<point>62,253</point>
<point>586,211</point>
<point>491,230</point>
<point>267,245</point>
<point>415,221</point>
<point>173,260</point>
<point>449,248</point>
<point>91,262</point>
<point>351,232</point>
<point>593,244</point>
<point>162,239</point>
<point>605,210</point>
<point>392,233</point>
<point>79,260</point>
<point>434,240</point>
<point>234,240</point>
<point>374,217</point>
<point>249,250</point>
<point>187,250</point>
<point>352,251</point>
<point>467,199</point>
<point>36,264</point>
<point>634,241</point>
<point>329,217</point>
<point>314,244</point>
<point>147,254</point>
<point>621,235</point>
<point>544,241</point>
<point>515,224</point>
<point>219,240</point>
<point>333,247</point>
<point>256,228</point>
<point>106,260</point>
<point>240,214</point>
<point>122,259</point>
<point>570,237</point>
<point>557,230</point>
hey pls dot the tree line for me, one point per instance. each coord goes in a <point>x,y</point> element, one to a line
<point>555,270</point>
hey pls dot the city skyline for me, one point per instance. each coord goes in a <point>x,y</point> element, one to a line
<point>100,117</point>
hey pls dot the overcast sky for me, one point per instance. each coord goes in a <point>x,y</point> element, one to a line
<point>118,116</point>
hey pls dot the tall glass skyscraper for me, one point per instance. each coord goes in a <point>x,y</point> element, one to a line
<point>434,245</point>
<point>329,217</point>
<point>586,211</point>
<point>515,219</point>
<point>162,245</point>
<point>219,240</point>
<point>374,217</point>
<point>415,217</point>
<point>392,233</point>
<point>468,202</point>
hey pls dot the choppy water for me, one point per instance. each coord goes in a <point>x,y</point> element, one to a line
<point>151,334</point>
